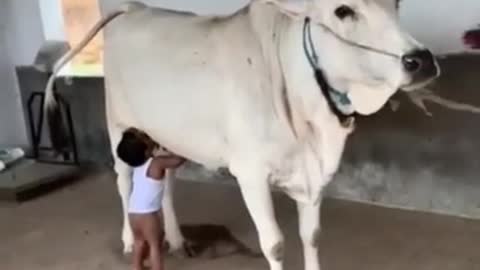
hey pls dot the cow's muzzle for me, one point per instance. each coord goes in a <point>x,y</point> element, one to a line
<point>421,65</point>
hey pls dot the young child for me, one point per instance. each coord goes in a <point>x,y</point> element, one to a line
<point>137,149</point>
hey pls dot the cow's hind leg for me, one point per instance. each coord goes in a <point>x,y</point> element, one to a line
<point>258,198</point>
<point>309,225</point>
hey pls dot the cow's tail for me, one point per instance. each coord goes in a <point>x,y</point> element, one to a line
<point>55,120</point>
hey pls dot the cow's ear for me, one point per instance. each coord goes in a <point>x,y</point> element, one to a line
<point>292,8</point>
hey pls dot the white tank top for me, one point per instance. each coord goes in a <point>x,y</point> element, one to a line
<point>147,193</point>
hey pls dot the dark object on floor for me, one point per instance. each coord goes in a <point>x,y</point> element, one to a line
<point>214,241</point>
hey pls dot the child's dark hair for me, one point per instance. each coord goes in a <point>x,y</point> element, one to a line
<point>132,149</point>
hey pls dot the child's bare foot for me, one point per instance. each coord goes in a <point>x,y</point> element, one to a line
<point>139,250</point>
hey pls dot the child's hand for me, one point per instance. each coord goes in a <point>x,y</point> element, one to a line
<point>177,161</point>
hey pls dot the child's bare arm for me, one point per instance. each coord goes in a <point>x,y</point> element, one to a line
<point>160,163</point>
<point>169,162</point>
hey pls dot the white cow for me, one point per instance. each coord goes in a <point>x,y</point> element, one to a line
<point>240,92</point>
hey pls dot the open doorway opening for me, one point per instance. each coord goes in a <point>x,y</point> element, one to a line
<point>79,16</point>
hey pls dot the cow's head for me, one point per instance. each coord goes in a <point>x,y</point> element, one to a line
<point>369,78</point>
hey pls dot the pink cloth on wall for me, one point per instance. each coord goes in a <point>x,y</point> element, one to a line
<point>471,38</point>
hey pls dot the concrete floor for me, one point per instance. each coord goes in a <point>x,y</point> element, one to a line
<point>78,227</point>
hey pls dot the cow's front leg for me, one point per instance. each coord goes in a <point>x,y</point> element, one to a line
<point>173,236</point>
<point>258,198</point>
<point>309,226</point>
<point>124,185</point>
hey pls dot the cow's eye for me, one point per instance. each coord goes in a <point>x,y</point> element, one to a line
<point>344,11</point>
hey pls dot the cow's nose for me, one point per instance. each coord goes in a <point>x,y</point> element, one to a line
<point>419,60</point>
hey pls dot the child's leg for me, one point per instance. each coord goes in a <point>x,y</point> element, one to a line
<point>140,245</point>
<point>154,236</point>
<point>139,251</point>
<point>156,258</point>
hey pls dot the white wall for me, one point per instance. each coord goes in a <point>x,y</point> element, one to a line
<point>8,90</point>
<point>24,29</point>
<point>20,37</point>
<point>440,24</point>
<point>52,19</point>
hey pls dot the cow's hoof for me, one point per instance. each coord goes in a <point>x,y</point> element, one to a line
<point>127,240</point>
<point>127,249</point>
